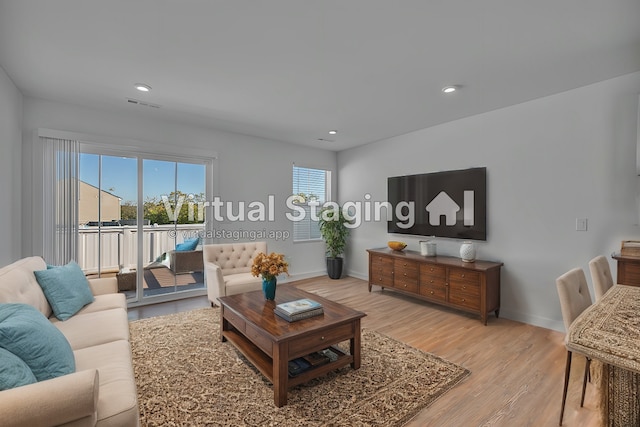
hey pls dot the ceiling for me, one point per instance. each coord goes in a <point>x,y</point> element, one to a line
<point>292,70</point>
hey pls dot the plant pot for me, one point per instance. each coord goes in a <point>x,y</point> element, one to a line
<point>334,267</point>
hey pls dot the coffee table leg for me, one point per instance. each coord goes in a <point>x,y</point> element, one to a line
<point>224,325</point>
<point>280,373</point>
<point>355,345</point>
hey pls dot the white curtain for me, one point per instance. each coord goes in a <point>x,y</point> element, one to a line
<point>60,200</point>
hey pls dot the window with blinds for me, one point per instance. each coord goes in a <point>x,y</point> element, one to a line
<point>309,185</point>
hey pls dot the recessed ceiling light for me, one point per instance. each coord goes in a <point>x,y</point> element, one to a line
<point>142,87</point>
<point>333,132</point>
<point>449,89</point>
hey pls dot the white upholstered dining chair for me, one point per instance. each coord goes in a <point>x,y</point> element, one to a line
<point>574,299</point>
<point>601,276</point>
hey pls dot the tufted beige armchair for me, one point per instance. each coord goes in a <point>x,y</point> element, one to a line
<point>227,268</point>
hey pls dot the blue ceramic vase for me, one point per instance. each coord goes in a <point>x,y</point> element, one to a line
<point>269,288</point>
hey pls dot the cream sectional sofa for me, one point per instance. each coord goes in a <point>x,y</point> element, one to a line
<point>227,268</point>
<point>102,391</point>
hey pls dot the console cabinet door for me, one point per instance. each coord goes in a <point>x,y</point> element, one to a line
<point>381,270</point>
<point>405,275</point>
<point>464,288</point>
<point>433,281</point>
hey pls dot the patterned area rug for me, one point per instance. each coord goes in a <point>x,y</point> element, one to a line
<point>186,377</point>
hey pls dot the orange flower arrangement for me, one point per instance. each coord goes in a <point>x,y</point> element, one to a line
<point>269,266</point>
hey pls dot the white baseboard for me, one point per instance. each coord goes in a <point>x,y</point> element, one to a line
<point>302,276</point>
<point>358,275</point>
<point>529,319</point>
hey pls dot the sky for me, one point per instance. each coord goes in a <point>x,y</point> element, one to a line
<point>120,176</point>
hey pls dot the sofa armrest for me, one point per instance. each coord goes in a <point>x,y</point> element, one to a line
<point>215,281</point>
<point>61,400</point>
<point>104,285</point>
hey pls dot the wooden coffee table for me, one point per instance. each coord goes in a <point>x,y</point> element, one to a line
<point>270,342</point>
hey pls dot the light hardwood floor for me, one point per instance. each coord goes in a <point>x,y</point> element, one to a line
<point>517,370</point>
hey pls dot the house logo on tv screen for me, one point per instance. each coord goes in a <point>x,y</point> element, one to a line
<point>445,204</point>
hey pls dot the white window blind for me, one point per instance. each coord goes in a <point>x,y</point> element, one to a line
<point>59,200</point>
<point>311,185</point>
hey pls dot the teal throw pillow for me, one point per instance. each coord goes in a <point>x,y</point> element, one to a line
<point>66,288</point>
<point>188,245</point>
<point>30,336</point>
<point>13,371</point>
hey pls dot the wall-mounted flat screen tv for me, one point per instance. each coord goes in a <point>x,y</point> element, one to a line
<point>442,204</point>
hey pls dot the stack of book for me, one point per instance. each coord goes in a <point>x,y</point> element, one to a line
<point>299,309</point>
<point>310,361</point>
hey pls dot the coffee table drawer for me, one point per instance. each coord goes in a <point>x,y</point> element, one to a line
<point>234,319</point>
<point>256,337</point>
<point>318,340</point>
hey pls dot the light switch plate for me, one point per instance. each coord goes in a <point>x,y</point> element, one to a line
<point>581,224</point>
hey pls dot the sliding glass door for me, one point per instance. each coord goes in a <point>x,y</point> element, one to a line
<point>107,216</point>
<point>141,219</point>
<point>173,194</point>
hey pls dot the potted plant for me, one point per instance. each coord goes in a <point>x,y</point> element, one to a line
<point>334,232</point>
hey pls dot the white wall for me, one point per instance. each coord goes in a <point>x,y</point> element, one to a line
<point>549,161</point>
<point>10,171</point>
<point>248,168</point>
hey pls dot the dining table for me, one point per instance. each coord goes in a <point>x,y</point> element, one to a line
<point>609,331</point>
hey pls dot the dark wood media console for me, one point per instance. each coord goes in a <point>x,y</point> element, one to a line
<point>470,286</point>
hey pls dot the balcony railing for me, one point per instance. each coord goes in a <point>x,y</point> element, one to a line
<point>115,248</point>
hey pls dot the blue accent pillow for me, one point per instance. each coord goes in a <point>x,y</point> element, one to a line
<point>66,288</point>
<point>30,336</point>
<point>13,371</point>
<point>188,245</point>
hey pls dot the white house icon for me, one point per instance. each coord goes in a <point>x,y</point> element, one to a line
<point>442,204</point>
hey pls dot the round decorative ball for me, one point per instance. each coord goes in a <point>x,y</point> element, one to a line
<point>396,246</point>
<point>468,251</point>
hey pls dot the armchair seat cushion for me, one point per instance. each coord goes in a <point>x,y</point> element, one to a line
<point>241,282</point>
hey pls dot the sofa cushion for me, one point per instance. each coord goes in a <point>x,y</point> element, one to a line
<point>19,284</point>
<point>14,372</point>
<point>117,400</point>
<point>89,329</point>
<point>66,288</point>
<point>105,302</point>
<point>25,332</point>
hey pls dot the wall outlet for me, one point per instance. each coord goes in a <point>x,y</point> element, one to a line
<point>581,224</point>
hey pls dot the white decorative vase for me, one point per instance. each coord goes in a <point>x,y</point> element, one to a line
<point>468,251</point>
